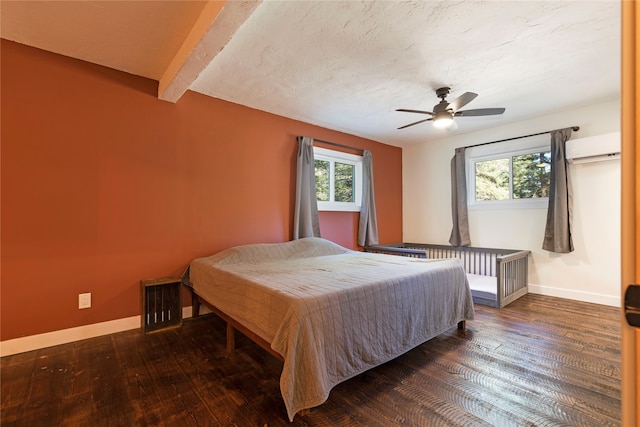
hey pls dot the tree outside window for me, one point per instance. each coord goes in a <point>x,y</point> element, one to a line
<point>344,182</point>
<point>322,180</point>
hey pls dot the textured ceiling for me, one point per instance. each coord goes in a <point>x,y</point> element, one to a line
<point>348,65</point>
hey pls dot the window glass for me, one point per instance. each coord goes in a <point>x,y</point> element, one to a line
<point>492,179</point>
<point>531,175</point>
<point>322,180</point>
<point>344,182</point>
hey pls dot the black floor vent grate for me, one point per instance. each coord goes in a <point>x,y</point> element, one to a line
<point>161,303</point>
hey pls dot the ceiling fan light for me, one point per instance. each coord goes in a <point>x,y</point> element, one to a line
<point>443,119</point>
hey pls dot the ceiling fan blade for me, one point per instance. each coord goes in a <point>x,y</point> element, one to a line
<point>479,112</point>
<point>416,123</point>
<point>462,100</point>
<point>403,110</point>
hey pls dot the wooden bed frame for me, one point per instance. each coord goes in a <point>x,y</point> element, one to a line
<point>508,266</point>
<point>233,325</point>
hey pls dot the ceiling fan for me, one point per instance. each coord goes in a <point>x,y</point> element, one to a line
<point>444,112</point>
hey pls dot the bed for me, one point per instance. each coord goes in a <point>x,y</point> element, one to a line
<point>497,277</point>
<point>329,313</point>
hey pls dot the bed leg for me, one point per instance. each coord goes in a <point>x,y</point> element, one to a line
<point>231,338</point>
<point>195,305</point>
<point>462,325</point>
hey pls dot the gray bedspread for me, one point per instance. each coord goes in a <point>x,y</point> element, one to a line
<point>331,312</point>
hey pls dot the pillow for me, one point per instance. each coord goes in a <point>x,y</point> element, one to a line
<point>267,252</point>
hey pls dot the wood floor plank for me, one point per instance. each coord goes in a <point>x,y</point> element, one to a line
<point>541,361</point>
<point>15,387</point>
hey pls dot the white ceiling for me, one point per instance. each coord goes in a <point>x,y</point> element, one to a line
<point>346,65</point>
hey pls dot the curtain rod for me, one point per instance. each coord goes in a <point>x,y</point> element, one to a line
<point>337,145</point>
<point>573,128</point>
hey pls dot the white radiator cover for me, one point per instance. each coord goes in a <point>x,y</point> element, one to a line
<point>594,148</point>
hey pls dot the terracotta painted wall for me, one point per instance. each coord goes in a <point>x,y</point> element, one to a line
<point>103,185</point>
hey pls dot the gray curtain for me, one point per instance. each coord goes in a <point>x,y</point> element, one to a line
<point>368,227</point>
<point>459,214</point>
<point>305,218</point>
<point>557,233</point>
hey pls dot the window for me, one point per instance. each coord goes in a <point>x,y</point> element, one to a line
<point>518,178</point>
<point>338,180</point>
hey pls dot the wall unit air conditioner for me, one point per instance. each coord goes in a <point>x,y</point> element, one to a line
<point>594,148</point>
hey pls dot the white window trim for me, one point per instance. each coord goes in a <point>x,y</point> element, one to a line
<point>351,159</point>
<point>501,151</point>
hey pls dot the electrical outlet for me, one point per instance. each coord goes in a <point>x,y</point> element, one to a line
<point>84,300</point>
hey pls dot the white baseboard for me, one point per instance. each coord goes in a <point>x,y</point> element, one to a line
<point>64,336</point>
<point>611,300</point>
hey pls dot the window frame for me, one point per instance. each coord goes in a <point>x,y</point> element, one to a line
<point>334,156</point>
<point>500,151</point>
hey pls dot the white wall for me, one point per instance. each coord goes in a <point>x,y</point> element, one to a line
<point>590,273</point>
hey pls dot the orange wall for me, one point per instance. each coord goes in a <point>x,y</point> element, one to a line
<point>103,185</point>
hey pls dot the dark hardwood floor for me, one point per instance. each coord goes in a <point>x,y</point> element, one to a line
<point>540,361</point>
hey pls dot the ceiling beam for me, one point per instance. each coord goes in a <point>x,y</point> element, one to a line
<point>216,25</point>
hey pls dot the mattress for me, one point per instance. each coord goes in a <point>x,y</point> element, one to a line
<point>483,286</point>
